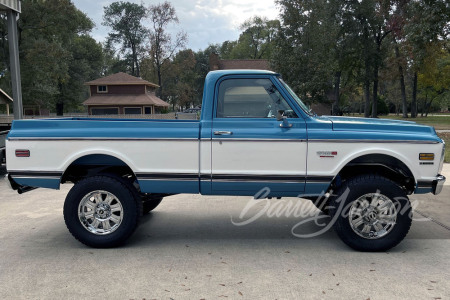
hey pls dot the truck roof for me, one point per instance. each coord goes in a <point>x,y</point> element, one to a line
<point>241,72</point>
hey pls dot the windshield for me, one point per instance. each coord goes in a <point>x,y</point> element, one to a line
<point>296,98</point>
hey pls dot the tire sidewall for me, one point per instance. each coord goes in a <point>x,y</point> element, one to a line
<point>118,189</point>
<point>358,188</point>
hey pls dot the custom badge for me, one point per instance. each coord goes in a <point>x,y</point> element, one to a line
<point>327,153</point>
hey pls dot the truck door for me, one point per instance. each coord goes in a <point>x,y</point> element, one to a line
<point>258,139</point>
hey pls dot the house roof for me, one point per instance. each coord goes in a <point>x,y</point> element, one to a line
<point>256,64</point>
<point>121,79</point>
<point>142,99</point>
<point>4,97</point>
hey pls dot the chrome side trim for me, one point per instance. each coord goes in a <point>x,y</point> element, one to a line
<point>255,140</point>
<point>36,173</point>
<point>216,139</point>
<point>35,177</point>
<point>374,141</point>
<point>97,139</point>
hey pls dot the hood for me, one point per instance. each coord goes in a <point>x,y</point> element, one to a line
<point>377,125</point>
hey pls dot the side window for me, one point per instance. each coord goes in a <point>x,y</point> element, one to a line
<point>251,98</point>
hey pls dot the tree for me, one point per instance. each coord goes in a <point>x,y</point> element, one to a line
<point>313,50</point>
<point>163,45</point>
<point>125,20</point>
<point>180,80</point>
<point>257,39</point>
<point>434,79</point>
<point>427,24</point>
<point>48,51</point>
<point>201,69</point>
<point>84,64</point>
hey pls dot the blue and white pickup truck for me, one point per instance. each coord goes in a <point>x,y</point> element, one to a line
<point>254,133</point>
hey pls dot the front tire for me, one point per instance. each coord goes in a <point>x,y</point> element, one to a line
<point>101,211</point>
<point>371,213</point>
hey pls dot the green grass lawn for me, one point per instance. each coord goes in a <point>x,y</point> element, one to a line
<point>446,137</point>
<point>439,122</point>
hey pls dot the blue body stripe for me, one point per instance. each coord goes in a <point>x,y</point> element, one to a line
<point>169,186</point>
<point>50,183</point>
<point>423,190</point>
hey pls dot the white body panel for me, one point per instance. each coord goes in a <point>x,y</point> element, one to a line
<point>259,157</point>
<point>219,157</point>
<point>408,153</point>
<point>158,156</point>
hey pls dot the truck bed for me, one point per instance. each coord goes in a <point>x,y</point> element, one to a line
<point>88,128</point>
<point>147,147</point>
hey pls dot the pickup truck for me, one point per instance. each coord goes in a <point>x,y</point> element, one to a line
<point>3,135</point>
<point>254,133</point>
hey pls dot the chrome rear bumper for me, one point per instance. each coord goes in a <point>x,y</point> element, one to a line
<point>17,187</point>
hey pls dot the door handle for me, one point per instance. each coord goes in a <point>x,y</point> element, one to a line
<point>223,133</point>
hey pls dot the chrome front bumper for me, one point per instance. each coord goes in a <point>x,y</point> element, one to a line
<point>438,184</point>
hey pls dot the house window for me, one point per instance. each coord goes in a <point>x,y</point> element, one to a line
<point>148,110</point>
<point>102,88</point>
<point>105,111</point>
<point>133,110</point>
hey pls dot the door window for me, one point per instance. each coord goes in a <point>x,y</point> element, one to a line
<point>251,98</point>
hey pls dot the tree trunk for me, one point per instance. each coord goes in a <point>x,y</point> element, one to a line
<point>158,69</point>
<point>60,102</point>
<point>336,110</point>
<point>425,103</point>
<point>414,97</point>
<point>375,92</point>
<point>367,97</point>
<point>367,88</point>
<point>402,83</point>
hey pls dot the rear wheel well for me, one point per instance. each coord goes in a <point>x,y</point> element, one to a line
<point>381,164</point>
<point>95,164</point>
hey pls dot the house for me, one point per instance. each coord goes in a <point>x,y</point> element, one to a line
<point>123,94</point>
<point>229,64</point>
<point>6,100</point>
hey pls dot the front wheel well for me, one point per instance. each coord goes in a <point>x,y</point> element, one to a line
<point>381,164</point>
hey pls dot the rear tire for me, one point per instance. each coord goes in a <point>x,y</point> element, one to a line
<point>102,211</point>
<point>371,213</point>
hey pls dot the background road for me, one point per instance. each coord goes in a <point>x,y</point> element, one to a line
<point>188,248</point>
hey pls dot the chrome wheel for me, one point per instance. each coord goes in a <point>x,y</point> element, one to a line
<point>100,212</point>
<point>372,216</point>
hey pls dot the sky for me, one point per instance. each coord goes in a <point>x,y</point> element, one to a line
<point>205,21</point>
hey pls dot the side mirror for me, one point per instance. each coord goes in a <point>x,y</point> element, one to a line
<point>280,115</point>
<point>284,122</point>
